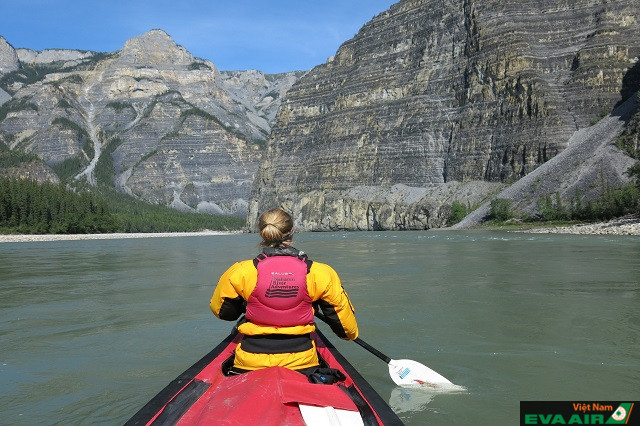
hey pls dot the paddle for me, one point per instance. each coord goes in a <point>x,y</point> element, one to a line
<point>404,372</point>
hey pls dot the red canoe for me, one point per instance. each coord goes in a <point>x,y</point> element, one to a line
<point>202,395</point>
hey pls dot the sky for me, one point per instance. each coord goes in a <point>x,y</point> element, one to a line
<point>271,36</point>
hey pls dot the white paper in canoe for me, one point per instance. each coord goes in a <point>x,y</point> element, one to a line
<point>324,416</point>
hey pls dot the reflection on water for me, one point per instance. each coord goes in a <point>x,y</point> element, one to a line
<point>414,399</point>
<point>404,400</point>
<point>91,330</point>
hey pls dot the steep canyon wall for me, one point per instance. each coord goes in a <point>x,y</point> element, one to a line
<point>434,101</point>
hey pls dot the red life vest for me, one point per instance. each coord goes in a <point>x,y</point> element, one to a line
<point>280,298</point>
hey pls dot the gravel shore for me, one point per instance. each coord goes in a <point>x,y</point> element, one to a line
<point>73,237</point>
<point>629,225</point>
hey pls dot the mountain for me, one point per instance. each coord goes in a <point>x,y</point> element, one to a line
<point>8,57</point>
<point>440,101</point>
<point>151,119</point>
<point>432,103</point>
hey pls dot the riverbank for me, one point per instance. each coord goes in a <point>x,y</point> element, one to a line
<point>74,237</point>
<point>628,225</point>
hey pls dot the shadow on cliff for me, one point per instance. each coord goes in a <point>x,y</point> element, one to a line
<point>589,160</point>
<point>630,85</point>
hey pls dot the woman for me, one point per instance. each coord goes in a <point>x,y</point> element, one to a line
<point>278,291</point>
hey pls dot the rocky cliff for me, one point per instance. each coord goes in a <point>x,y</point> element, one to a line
<point>8,57</point>
<point>64,58</point>
<point>434,101</point>
<point>150,119</point>
<point>589,162</point>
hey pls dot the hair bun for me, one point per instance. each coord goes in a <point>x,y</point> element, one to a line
<point>275,227</point>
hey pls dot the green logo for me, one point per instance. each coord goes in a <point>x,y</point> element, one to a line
<point>578,413</point>
<point>621,414</point>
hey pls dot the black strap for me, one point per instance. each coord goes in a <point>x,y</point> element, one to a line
<point>368,417</point>
<point>276,343</point>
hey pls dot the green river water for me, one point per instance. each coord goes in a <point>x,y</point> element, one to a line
<point>91,330</point>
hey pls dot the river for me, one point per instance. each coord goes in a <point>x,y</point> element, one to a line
<point>91,330</point>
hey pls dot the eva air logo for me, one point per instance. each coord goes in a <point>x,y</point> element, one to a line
<point>621,414</point>
<point>578,413</point>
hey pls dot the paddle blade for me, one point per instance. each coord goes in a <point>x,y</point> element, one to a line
<point>406,372</point>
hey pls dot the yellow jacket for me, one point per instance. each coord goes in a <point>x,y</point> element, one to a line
<point>325,290</point>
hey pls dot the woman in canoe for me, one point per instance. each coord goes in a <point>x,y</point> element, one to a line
<point>278,291</point>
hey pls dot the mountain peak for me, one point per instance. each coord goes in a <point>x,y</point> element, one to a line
<point>155,47</point>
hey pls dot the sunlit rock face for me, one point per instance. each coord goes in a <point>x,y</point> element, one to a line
<point>432,93</point>
<point>151,120</point>
<point>8,57</point>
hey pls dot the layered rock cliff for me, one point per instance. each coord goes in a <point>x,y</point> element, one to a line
<point>589,164</point>
<point>8,57</point>
<point>432,98</point>
<point>150,119</point>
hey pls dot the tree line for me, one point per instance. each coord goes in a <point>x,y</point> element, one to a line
<point>27,207</point>
<point>31,208</point>
<point>613,202</point>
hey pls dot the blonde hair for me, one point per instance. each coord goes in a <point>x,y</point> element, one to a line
<point>275,226</point>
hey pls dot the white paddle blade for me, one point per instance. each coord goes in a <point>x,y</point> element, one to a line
<point>406,372</point>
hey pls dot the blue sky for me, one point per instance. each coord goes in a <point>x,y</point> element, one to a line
<point>272,36</point>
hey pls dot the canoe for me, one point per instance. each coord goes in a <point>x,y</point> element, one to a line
<point>202,395</point>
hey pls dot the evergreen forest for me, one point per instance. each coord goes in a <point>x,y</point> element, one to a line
<point>27,207</point>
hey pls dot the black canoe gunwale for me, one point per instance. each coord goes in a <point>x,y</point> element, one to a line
<point>381,407</point>
<point>151,409</point>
